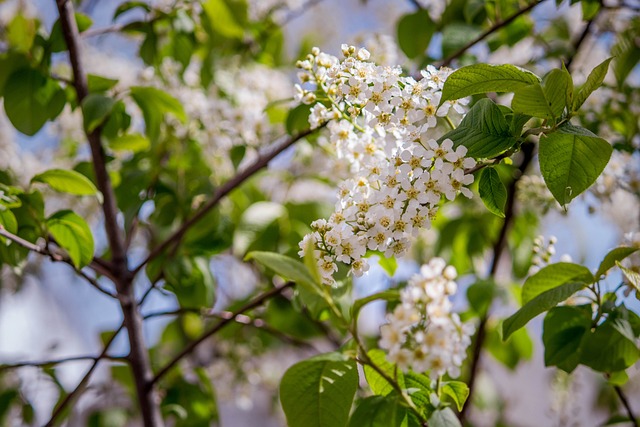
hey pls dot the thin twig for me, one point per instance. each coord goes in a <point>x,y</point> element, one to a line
<point>627,406</point>
<point>55,257</point>
<point>80,387</point>
<point>256,302</point>
<point>577,44</point>
<point>45,363</point>
<point>495,27</point>
<point>261,162</point>
<point>498,248</point>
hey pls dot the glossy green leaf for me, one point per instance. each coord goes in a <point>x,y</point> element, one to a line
<point>30,99</point>
<point>444,418</point>
<point>288,268</point>
<point>72,233</point>
<point>67,181</point>
<point>571,159</point>
<point>379,385</point>
<point>414,33</point>
<point>614,255</point>
<point>483,78</point>
<point>133,142</point>
<point>96,108</point>
<point>607,350</point>
<point>98,84</point>
<point>546,100</point>
<point>154,104</point>
<point>564,329</point>
<point>552,276</point>
<point>492,191</point>
<point>541,303</point>
<point>484,131</point>
<point>632,276</point>
<point>379,411</point>
<point>318,392</point>
<point>457,391</point>
<point>594,81</point>
<point>8,222</point>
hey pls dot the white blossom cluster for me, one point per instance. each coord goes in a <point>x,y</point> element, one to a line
<point>543,252</point>
<point>534,195</point>
<point>383,124</point>
<point>422,334</point>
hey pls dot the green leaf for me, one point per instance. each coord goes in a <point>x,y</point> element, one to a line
<point>379,385</point>
<point>130,5</point>
<point>564,329</point>
<point>379,411</point>
<point>633,277</point>
<point>444,418</point>
<point>484,131</point>
<point>571,159</point>
<point>541,303</point>
<point>96,108</point>
<point>21,32</point>
<point>30,99</point>
<point>255,223</point>
<point>457,35</point>
<point>154,104</point>
<point>607,350</point>
<point>480,296</point>
<point>73,235</point>
<point>457,391</point>
<point>8,222</point>
<point>626,52</point>
<point>318,392</point>
<point>612,258</point>
<point>414,33</point>
<point>191,280</point>
<point>134,142</point>
<point>67,181</point>
<point>97,84</point>
<point>220,19</point>
<point>288,268</point>
<point>492,191</point>
<point>546,101</point>
<point>388,264</point>
<point>594,81</point>
<point>298,119</point>
<point>388,295</point>
<point>552,276</point>
<point>590,9</point>
<point>483,78</point>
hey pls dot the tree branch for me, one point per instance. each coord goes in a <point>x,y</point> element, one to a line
<point>55,257</point>
<point>577,44</point>
<point>80,387</point>
<point>498,249</point>
<point>627,406</point>
<point>45,363</point>
<point>261,162</point>
<point>495,27</point>
<point>256,302</point>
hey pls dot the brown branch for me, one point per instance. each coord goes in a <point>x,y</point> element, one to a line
<point>55,257</point>
<point>498,249</point>
<point>261,162</point>
<point>577,44</point>
<point>627,406</point>
<point>46,363</point>
<point>256,302</point>
<point>495,27</point>
<point>139,355</point>
<point>80,387</point>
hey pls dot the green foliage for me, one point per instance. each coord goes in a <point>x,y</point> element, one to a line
<point>547,100</point>
<point>457,391</point>
<point>564,330</point>
<point>96,109</point>
<point>483,78</point>
<point>31,99</point>
<point>492,191</point>
<point>594,81</point>
<point>67,181</point>
<point>379,385</point>
<point>318,392</point>
<point>380,411</point>
<point>484,131</point>
<point>444,418</point>
<point>154,104</point>
<point>72,233</point>
<point>571,159</point>
<point>541,303</point>
<point>553,276</point>
<point>612,258</point>
<point>414,33</point>
<point>288,268</point>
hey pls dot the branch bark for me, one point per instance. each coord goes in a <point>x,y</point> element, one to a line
<point>123,279</point>
<point>627,406</point>
<point>261,162</point>
<point>52,362</point>
<point>498,249</point>
<point>495,27</point>
<point>254,303</point>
